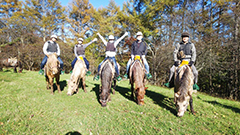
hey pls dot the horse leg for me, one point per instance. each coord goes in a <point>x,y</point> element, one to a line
<point>51,84</point>
<point>57,83</point>
<point>15,69</point>
<point>191,105</point>
<point>47,80</point>
<point>132,89</point>
<point>77,84</point>
<point>84,85</point>
<point>114,86</point>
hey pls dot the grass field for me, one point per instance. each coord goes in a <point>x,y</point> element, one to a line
<point>26,107</point>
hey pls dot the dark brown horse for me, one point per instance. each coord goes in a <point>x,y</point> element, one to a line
<point>137,80</point>
<point>183,89</point>
<point>11,62</point>
<point>107,77</point>
<point>52,70</point>
<point>77,76</point>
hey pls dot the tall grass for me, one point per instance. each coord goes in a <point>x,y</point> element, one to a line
<point>26,107</point>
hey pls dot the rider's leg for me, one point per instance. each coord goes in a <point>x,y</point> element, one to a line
<point>44,61</point>
<point>116,68</point>
<point>99,67</point>
<point>87,65</point>
<point>86,62</point>
<point>73,62</point>
<point>195,73</point>
<point>147,68</point>
<point>127,69</point>
<point>172,70</point>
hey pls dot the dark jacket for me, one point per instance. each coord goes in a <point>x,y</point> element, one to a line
<point>139,48</point>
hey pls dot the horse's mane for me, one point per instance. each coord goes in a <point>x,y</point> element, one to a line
<point>184,82</point>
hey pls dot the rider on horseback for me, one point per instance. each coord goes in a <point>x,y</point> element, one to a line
<point>139,48</point>
<point>110,53</point>
<point>48,48</point>
<point>190,55</point>
<point>79,51</point>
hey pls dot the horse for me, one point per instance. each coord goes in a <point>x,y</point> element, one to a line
<point>137,77</point>
<point>107,77</point>
<point>52,70</point>
<point>183,89</point>
<point>11,62</point>
<point>78,74</point>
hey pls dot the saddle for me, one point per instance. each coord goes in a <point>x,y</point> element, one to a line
<point>81,58</point>
<point>137,58</point>
<point>111,65</point>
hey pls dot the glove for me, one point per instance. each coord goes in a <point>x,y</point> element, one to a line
<point>176,63</point>
<point>126,33</point>
<point>143,56</point>
<point>98,34</point>
<point>95,39</point>
<point>190,63</point>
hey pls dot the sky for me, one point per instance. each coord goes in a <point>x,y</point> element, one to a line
<point>97,3</point>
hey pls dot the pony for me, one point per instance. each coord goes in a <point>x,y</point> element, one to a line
<point>51,71</point>
<point>183,89</point>
<point>107,77</point>
<point>11,62</point>
<point>137,78</point>
<point>78,74</point>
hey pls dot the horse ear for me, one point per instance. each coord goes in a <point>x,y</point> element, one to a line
<point>146,88</point>
<point>47,55</point>
<point>55,54</point>
<point>176,95</point>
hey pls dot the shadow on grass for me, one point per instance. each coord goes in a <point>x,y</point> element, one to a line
<point>62,84</point>
<point>124,92</point>
<point>161,100</point>
<point>237,110</point>
<point>97,92</point>
<point>73,133</point>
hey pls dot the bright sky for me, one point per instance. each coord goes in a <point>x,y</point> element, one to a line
<point>97,3</point>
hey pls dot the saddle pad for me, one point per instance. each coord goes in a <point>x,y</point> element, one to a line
<point>80,57</point>
<point>184,62</point>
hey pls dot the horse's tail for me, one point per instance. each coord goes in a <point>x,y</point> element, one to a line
<point>185,84</point>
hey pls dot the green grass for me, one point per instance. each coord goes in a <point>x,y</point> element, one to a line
<point>26,107</point>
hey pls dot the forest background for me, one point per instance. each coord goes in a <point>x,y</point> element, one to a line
<point>213,26</point>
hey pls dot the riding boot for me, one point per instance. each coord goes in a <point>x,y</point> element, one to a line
<point>96,77</point>
<point>41,72</point>
<point>118,77</point>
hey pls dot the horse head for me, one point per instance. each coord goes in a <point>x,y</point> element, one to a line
<point>104,96</point>
<point>13,62</point>
<point>53,63</point>
<point>181,103</point>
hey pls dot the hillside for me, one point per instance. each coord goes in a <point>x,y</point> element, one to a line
<point>26,107</point>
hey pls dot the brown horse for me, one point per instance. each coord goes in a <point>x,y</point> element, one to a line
<point>107,77</point>
<point>137,77</point>
<point>78,74</point>
<point>11,62</point>
<point>52,70</point>
<point>183,89</point>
